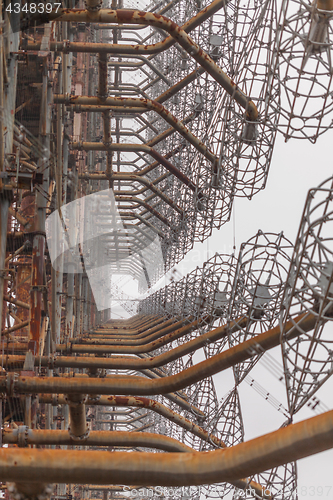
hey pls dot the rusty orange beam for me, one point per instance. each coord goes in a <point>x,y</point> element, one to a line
<point>178,34</point>
<point>130,363</point>
<point>17,302</point>
<point>78,427</point>
<point>287,444</point>
<point>16,327</point>
<point>137,325</point>
<point>133,148</point>
<point>36,292</point>
<point>135,178</point>
<point>147,335</point>
<point>141,402</point>
<point>95,438</point>
<point>149,105</point>
<point>127,385</point>
<point>148,344</point>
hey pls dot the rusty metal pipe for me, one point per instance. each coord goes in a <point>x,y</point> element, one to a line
<point>141,329</point>
<point>134,178</point>
<point>22,220</point>
<point>175,398</point>
<point>127,385</point>
<point>287,444</point>
<point>140,402</point>
<point>130,347</point>
<point>178,34</point>
<point>133,148</point>
<point>78,427</point>
<point>190,25</point>
<point>99,108</point>
<point>148,104</point>
<point>17,302</point>
<point>95,438</point>
<point>14,328</point>
<point>129,363</point>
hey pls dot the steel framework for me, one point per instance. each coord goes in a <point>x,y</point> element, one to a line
<point>127,130</point>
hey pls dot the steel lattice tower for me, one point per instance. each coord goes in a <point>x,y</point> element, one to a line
<point>128,129</point>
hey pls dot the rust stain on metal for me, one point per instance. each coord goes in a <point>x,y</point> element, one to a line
<point>125,15</point>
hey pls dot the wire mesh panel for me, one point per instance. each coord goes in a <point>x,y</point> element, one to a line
<point>308,297</point>
<point>245,146</point>
<point>303,68</point>
<point>258,289</point>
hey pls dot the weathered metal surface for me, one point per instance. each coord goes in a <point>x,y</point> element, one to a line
<point>37,289</point>
<point>135,178</point>
<point>78,427</point>
<point>169,197</point>
<point>123,147</point>
<point>141,386</point>
<point>4,204</point>
<point>97,438</point>
<point>289,443</point>
<point>179,35</point>
<point>130,347</point>
<point>128,363</point>
<point>147,104</point>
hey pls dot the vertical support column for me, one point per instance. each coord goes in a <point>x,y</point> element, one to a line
<point>38,248</point>
<point>103,93</point>
<point>38,244</point>
<point>56,283</point>
<point>57,275</point>
<point>78,428</point>
<point>78,303</point>
<point>4,201</point>
<point>69,306</point>
<point>70,275</point>
<point>85,303</point>
<point>2,151</point>
<point>4,205</point>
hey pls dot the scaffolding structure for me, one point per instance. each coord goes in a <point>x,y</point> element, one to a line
<point>127,130</point>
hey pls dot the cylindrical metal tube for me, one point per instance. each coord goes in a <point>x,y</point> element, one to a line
<point>78,427</point>
<point>96,438</point>
<point>179,469</point>
<point>128,385</point>
<point>178,34</point>
<point>325,4</point>
<point>140,402</point>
